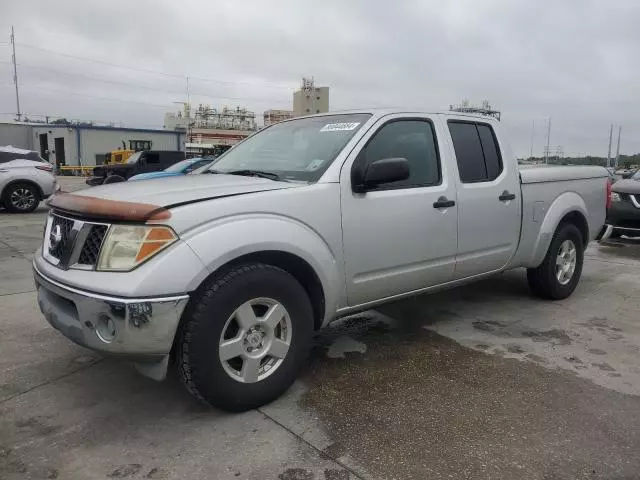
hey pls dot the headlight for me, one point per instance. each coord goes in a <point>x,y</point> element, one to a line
<point>615,197</point>
<point>127,246</point>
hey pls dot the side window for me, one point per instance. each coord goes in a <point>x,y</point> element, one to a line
<point>152,158</point>
<point>413,140</point>
<point>199,164</point>
<point>476,150</point>
<point>491,151</point>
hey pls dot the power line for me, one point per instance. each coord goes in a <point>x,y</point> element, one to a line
<point>129,84</point>
<point>98,97</point>
<point>52,90</point>
<point>154,72</point>
<point>101,62</point>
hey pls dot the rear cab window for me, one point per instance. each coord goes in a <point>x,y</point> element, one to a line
<point>477,151</point>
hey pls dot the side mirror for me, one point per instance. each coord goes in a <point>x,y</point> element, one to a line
<point>381,171</point>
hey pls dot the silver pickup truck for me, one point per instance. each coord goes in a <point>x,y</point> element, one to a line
<point>229,272</point>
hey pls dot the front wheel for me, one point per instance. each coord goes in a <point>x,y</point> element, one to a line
<point>245,338</point>
<point>21,198</point>
<point>559,273</point>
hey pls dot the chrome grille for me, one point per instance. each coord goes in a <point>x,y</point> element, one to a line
<point>71,243</point>
<point>91,248</point>
<point>60,236</point>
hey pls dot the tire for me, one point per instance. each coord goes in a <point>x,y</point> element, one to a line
<point>544,280</point>
<point>113,179</point>
<point>214,313</point>
<point>21,198</point>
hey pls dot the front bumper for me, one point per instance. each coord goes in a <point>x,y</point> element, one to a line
<point>142,329</point>
<point>622,217</point>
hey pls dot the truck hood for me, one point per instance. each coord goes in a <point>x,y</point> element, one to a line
<point>173,191</point>
<point>626,186</point>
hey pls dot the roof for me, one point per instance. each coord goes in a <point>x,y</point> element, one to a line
<point>11,149</point>
<point>96,127</point>
<point>382,112</point>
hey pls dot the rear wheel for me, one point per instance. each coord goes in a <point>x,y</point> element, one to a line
<point>21,198</point>
<point>559,273</point>
<point>245,338</point>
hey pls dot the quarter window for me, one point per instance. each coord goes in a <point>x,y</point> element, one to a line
<point>413,140</point>
<point>477,151</point>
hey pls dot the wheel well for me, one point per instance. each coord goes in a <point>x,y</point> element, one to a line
<point>21,181</point>
<point>296,266</point>
<point>576,218</point>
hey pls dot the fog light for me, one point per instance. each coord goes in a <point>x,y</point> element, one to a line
<point>106,329</point>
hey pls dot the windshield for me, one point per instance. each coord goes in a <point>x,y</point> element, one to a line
<point>298,150</point>
<point>636,176</point>
<point>180,166</point>
<point>134,158</point>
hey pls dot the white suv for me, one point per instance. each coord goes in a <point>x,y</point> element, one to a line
<point>25,179</point>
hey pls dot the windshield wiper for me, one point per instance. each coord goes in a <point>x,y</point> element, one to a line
<point>254,173</point>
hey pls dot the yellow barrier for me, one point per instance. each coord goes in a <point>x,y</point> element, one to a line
<point>78,170</point>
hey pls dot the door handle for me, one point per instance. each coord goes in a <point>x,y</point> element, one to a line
<point>506,196</point>
<point>443,202</point>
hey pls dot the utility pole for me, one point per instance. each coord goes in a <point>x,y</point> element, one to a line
<point>546,153</point>
<point>618,147</point>
<point>533,127</point>
<point>15,74</point>
<point>609,153</point>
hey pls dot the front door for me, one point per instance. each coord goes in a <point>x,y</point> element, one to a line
<point>488,199</point>
<point>58,144</point>
<point>396,238</point>
<point>149,162</point>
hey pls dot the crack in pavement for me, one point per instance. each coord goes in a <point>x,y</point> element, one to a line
<point>16,293</point>
<point>52,380</point>
<point>14,249</point>
<point>322,453</point>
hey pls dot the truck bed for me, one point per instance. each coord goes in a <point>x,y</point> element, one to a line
<point>548,194</point>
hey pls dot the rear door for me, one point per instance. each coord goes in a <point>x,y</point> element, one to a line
<point>489,199</point>
<point>396,238</point>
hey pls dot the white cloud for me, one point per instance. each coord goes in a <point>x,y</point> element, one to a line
<point>573,60</point>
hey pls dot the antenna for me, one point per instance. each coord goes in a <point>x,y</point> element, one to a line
<point>15,74</point>
<point>546,153</point>
<point>618,147</point>
<point>533,128</point>
<point>610,138</point>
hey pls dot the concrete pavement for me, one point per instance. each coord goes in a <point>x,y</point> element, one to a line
<point>479,382</point>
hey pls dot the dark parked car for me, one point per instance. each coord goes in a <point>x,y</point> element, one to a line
<point>623,218</point>
<point>139,162</point>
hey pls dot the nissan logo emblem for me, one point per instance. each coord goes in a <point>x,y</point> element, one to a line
<point>55,236</point>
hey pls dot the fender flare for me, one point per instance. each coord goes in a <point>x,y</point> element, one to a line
<point>563,205</point>
<point>227,239</point>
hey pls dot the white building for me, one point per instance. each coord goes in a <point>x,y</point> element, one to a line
<point>75,145</point>
<point>310,99</point>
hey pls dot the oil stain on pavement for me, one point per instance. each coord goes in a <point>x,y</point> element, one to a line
<point>419,405</point>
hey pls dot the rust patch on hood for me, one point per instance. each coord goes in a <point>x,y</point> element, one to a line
<point>107,209</point>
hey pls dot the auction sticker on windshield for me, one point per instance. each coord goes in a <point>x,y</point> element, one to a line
<point>339,127</point>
